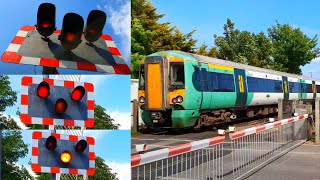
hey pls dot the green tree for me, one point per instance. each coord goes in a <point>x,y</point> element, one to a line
<point>7,96</point>
<point>13,148</point>
<point>8,123</point>
<point>204,51</point>
<point>291,47</point>
<point>148,35</point>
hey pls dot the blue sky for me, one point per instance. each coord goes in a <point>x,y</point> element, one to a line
<point>16,13</point>
<point>208,18</point>
<point>112,146</point>
<point>111,92</point>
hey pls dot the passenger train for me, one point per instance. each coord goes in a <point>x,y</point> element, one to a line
<point>179,90</point>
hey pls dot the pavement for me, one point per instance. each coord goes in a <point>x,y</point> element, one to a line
<point>302,163</point>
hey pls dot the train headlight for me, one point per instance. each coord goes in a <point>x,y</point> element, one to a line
<point>142,99</point>
<point>179,99</point>
<point>174,100</point>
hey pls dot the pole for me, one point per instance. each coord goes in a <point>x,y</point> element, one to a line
<point>316,119</point>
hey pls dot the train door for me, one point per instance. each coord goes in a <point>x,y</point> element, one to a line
<point>155,82</point>
<point>314,89</point>
<point>241,87</point>
<point>285,86</point>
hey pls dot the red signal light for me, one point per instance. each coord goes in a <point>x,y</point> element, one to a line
<point>78,93</point>
<point>46,19</point>
<point>45,24</point>
<point>95,23</point>
<point>61,106</point>
<point>51,143</point>
<point>43,90</point>
<point>81,146</point>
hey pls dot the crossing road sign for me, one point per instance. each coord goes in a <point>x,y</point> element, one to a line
<point>56,102</point>
<point>62,153</point>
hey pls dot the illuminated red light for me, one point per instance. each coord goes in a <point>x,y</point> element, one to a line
<point>70,37</point>
<point>43,90</point>
<point>45,24</point>
<point>77,93</point>
<point>61,106</point>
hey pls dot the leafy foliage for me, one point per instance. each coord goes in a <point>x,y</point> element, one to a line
<point>13,148</point>
<point>7,96</point>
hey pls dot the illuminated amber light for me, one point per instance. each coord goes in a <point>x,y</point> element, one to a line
<point>65,157</point>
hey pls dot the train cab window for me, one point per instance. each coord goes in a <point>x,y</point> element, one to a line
<point>177,75</point>
<point>141,78</point>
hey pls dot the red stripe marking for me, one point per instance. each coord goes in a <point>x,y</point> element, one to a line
<point>260,128</point>
<point>57,136</point>
<point>135,160</point>
<point>35,151</point>
<point>92,156</point>
<point>86,66</point>
<point>68,122</point>
<point>90,105</point>
<point>89,87</point>
<point>89,123</point>
<point>68,84</point>
<point>11,57</point>
<point>24,99</point>
<point>121,69</point>
<point>28,28</point>
<point>90,140</point>
<point>36,135</point>
<point>106,37</point>
<point>216,140</point>
<point>35,168</point>
<point>237,134</point>
<point>49,62</point>
<point>290,120</point>
<point>48,121</point>
<point>114,51</point>
<point>54,170</point>
<point>91,172</point>
<point>25,81</point>
<point>301,117</point>
<point>58,31</point>
<point>73,171</point>
<point>179,149</point>
<point>277,123</point>
<point>25,118</point>
<point>18,40</point>
<point>73,138</point>
<point>49,81</point>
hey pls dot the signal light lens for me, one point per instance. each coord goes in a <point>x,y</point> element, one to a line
<point>43,90</point>
<point>95,23</point>
<point>81,146</point>
<point>65,157</point>
<point>71,32</point>
<point>78,93</point>
<point>46,19</point>
<point>51,143</point>
<point>61,106</point>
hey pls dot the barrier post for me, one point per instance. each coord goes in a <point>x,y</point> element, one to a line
<point>316,119</point>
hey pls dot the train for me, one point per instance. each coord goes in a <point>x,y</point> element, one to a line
<point>182,90</point>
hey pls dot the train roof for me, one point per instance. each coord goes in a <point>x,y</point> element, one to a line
<point>205,59</point>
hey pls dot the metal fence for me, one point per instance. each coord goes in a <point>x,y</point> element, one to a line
<point>224,157</point>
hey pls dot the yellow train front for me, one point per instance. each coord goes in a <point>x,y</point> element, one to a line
<point>179,90</point>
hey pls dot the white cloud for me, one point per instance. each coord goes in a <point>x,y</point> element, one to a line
<point>17,120</point>
<point>96,134</point>
<point>96,80</point>
<point>123,170</point>
<point>122,118</point>
<point>120,20</point>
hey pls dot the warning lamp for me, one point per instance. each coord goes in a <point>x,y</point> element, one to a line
<point>95,23</point>
<point>51,143</point>
<point>65,157</point>
<point>81,146</point>
<point>60,106</point>
<point>72,28</point>
<point>43,90</point>
<point>46,19</point>
<point>77,93</point>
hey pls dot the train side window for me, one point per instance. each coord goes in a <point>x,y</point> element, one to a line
<point>264,85</point>
<point>177,75</point>
<point>222,82</point>
<point>295,87</point>
<point>309,88</point>
<point>318,88</point>
<point>141,78</point>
